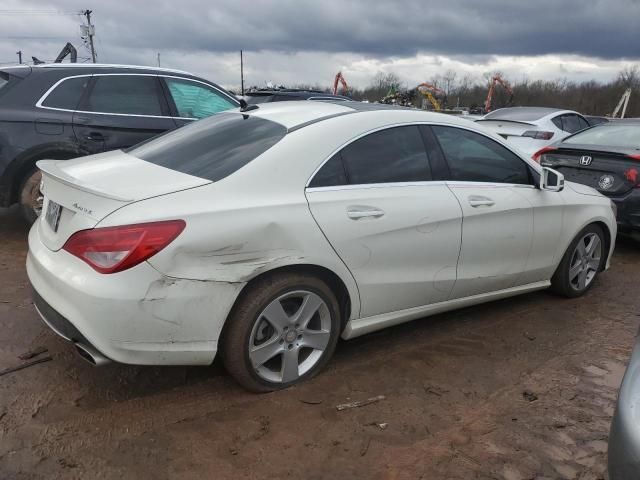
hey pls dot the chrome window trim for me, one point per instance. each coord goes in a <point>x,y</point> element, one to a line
<point>53,87</point>
<point>364,186</point>
<point>408,124</point>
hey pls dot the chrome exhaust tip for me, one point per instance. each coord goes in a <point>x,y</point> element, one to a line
<point>91,355</point>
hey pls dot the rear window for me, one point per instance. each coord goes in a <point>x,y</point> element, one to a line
<point>518,114</point>
<point>608,134</point>
<point>212,148</point>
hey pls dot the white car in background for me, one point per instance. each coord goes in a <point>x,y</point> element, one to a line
<point>531,128</point>
<point>265,234</point>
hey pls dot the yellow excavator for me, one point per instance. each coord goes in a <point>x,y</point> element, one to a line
<point>428,91</point>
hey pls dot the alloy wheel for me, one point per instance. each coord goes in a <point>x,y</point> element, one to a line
<point>290,336</point>
<point>585,261</point>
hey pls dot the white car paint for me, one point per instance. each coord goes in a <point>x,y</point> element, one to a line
<point>512,130</point>
<point>430,252</point>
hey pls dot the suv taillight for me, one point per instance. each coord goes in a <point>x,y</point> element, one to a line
<point>114,249</point>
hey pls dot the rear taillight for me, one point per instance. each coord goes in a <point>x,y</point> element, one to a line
<point>114,249</point>
<point>536,156</point>
<point>631,174</point>
<point>538,134</point>
<point>635,157</point>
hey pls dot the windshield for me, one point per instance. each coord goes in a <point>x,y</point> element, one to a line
<point>611,135</point>
<point>214,147</point>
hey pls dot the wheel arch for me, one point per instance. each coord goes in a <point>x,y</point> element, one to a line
<point>16,171</point>
<point>332,279</point>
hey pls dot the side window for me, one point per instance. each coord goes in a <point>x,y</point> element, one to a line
<point>392,155</point>
<point>582,122</point>
<point>67,94</point>
<point>475,158</point>
<point>557,121</point>
<point>571,123</point>
<point>331,174</point>
<point>196,100</point>
<point>128,94</point>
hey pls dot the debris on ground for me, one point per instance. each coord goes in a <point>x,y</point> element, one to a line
<point>380,425</point>
<point>310,401</point>
<point>24,365</point>
<point>359,403</point>
<point>438,392</point>
<point>365,446</point>
<point>32,353</point>
<point>529,337</point>
<point>529,396</point>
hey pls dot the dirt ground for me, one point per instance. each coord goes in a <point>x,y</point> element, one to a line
<point>519,389</point>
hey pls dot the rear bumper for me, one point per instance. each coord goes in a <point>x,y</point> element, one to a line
<point>628,216</point>
<point>138,316</point>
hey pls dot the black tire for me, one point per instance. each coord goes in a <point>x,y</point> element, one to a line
<point>560,282</point>
<point>246,314</point>
<point>30,197</point>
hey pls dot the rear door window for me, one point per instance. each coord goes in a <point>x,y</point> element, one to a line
<point>195,99</point>
<point>214,147</point>
<point>388,156</point>
<point>67,94</point>
<point>125,94</point>
<point>475,158</point>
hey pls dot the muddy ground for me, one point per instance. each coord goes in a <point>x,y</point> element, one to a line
<point>519,389</point>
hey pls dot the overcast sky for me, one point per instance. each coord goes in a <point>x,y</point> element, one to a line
<point>293,42</point>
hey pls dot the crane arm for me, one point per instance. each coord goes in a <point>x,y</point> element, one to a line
<point>339,78</point>
<point>428,91</point>
<point>497,79</point>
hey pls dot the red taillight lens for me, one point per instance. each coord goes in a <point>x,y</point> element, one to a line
<point>635,157</point>
<point>538,135</point>
<point>536,156</point>
<point>631,175</point>
<point>114,249</point>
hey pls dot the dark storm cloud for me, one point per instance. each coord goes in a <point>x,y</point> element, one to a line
<point>594,28</point>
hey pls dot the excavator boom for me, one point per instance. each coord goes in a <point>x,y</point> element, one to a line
<point>497,79</point>
<point>339,78</point>
<point>428,91</point>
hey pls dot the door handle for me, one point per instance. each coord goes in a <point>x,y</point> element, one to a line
<point>357,212</point>
<point>95,136</point>
<point>480,201</point>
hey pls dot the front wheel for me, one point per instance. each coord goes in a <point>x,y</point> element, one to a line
<point>283,331</point>
<point>581,264</point>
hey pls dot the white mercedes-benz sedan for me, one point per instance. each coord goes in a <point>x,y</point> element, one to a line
<point>266,234</point>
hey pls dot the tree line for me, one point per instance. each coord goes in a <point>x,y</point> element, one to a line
<point>587,97</point>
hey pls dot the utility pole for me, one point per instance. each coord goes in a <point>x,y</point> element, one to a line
<point>90,33</point>
<point>158,59</point>
<point>19,53</point>
<point>241,74</point>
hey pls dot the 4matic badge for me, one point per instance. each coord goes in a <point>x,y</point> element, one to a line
<point>82,209</point>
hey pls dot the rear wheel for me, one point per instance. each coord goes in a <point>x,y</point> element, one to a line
<point>283,331</point>
<point>31,198</point>
<point>581,264</point>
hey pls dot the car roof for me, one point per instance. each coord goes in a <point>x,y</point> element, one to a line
<point>98,66</point>
<point>297,114</point>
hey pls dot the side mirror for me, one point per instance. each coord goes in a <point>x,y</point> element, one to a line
<point>551,180</point>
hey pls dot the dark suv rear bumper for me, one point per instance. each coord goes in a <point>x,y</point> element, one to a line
<point>628,216</point>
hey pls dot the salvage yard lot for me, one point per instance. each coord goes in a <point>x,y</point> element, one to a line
<point>521,388</point>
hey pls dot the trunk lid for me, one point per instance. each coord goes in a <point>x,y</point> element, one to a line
<point>88,189</point>
<point>609,172</point>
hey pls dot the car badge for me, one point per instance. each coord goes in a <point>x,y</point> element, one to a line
<point>585,160</point>
<point>605,182</point>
